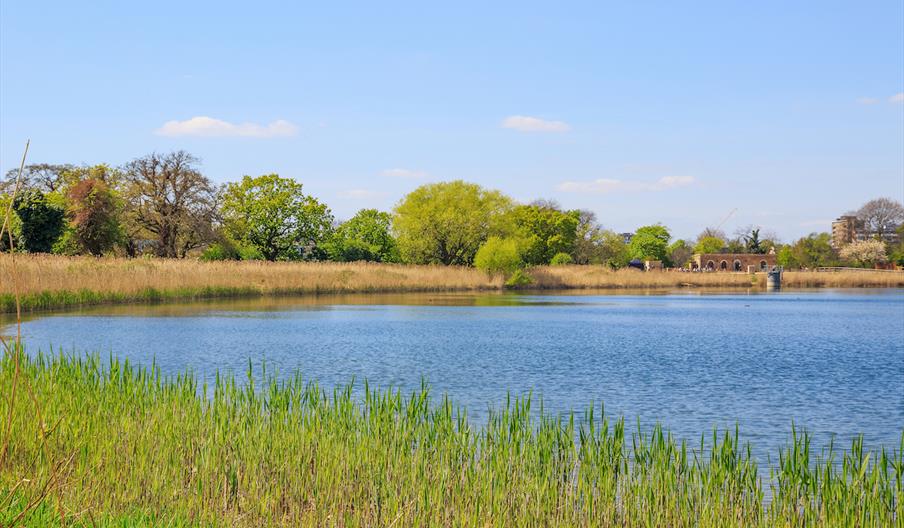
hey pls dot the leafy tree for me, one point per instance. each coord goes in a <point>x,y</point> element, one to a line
<point>544,231</point>
<point>499,256</point>
<point>44,177</point>
<point>811,251</point>
<point>613,250</point>
<point>895,252</point>
<point>752,241</point>
<point>94,212</point>
<point>13,226</point>
<point>864,252</point>
<point>561,259</point>
<point>650,243</point>
<point>276,217</point>
<point>881,216</point>
<point>366,236</point>
<point>42,222</point>
<point>680,252</point>
<point>446,223</point>
<point>169,200</point>
<point>588,239</point>
<point>709,244</point>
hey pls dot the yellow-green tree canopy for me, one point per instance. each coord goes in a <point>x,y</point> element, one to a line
<point>446,223</point>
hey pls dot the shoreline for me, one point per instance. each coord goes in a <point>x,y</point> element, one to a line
<point>50,282</point>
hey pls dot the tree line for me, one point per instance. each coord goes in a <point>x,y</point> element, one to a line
<point>161,204</point>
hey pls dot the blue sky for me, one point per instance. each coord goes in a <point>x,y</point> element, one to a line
<point>790,112</point>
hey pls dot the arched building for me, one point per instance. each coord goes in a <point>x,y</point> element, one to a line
<point>745,262</point>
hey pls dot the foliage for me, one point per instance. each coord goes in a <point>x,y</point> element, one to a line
<point>544,231</point>
<point>864,252</point>
<point>44,177</point>
<point>273,215</point>
<point>561,259</point>
<point>881,216</point>
<point>709,244</point>
<point>895,252</point>
<point>446,223</point>
<point>41,222</point>
<point>613,250</point>
<point>650,243</point>
<point>519,279</point>
<point>137,447</point>
<point>169,200</point>
<point>588,239</point>
<point>811,251</point>
<point>94,215</point>
<point>752,242</point>
<point>680,252</point>
<point>499,256</point>
<point>13,224</point>
<point>366,236</point>
<point>219,251</point>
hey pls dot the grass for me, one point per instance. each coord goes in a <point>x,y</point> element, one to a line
<point>120,445</point>
<point>47,282</point>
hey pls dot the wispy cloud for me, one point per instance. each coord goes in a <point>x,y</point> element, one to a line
<point>534,124</point>
<point>867,100</point>
<point>404,173</point>
<point>203,126</point>
<point>358,194</point>
<point>897,98</point>
<point>608,185</point>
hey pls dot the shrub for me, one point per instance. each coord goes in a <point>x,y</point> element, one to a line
<point>219,251</point>
<point>519,279</point>
<point>561,259</point>
<point>498,256</point>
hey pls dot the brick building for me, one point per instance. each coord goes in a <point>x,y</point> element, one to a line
<point>733,261</point>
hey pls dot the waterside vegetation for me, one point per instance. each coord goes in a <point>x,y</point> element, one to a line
<point>103,443</point>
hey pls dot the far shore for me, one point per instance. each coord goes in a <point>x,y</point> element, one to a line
<point>52,282</point>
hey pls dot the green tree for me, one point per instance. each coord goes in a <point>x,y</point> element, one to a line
<point>561,259</point>
<point>544,231</point>
<point>613,250</point>
<point>808,252</point>
<point>94,215</point>
<point>589,239</point>
<point>446,223</point>
<point>273,215</point>
<point>13,226</point>
<point>366,236</point>
<point>650,243</point>
<point>41,222</point>
<point>499,256</point>
<point>709,244</point>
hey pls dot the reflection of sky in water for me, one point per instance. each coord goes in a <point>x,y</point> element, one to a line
<point>831,361</point>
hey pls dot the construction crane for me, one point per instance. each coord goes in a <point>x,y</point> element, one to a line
<point>729,215</point>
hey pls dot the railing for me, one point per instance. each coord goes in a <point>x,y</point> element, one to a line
<point>842,268</point>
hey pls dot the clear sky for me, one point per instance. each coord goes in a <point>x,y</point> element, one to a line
<point>673,112</point>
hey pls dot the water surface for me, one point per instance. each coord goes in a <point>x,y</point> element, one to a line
<point>831,361</point>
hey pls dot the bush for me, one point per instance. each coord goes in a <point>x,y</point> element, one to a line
<point>561,259</point>
<point>498,256</point>
<point>519,279</point>
<point>219,251</point>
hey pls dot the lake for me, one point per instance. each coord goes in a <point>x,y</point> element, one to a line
<point>831,361</point>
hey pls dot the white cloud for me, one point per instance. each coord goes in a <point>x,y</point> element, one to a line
<point>534,124</point>
<point>404,173</point>
<point>897,98</point>
<point>203,126</point>
<point>867,100</point>
<point>358,194</point>
<point>608,185</point>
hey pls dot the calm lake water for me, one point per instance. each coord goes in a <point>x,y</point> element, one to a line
<point>831,361</point>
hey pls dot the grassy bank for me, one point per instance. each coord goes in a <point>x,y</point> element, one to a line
<point>47,282</point>
<point>100,446</point>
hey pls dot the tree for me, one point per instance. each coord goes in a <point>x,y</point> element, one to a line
<point>544,231</point>
<point>498,256</point>
<point>680,252</point>
<point>169,200</point>
<point>41,222</point>
<point>711,232</point>
<point>864,252</point>
<point>881,216</point>
<point>45,177</point>
<point>709,244</point>
<point>650,243</point>
<point>588,239</point>
<point>895,252</point>
<point>446,223</point>
<point>613,250</point>
<point>752,242</point>
<point>366,236</point>
<point>94,213</point>
<point>275,216</point>
<point>811,251</point>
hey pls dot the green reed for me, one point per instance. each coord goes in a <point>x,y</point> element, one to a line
<point>122,445</point>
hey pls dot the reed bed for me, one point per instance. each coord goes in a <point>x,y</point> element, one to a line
<point>48,282</point>
<point>106,443</point>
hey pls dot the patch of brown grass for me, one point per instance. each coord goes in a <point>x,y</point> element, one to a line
<point>843,279</point>
<point>567,277</point>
